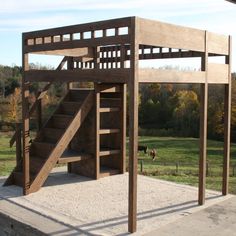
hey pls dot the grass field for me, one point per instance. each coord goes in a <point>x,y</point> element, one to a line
<point>7,154</point>
<point>177,160</point>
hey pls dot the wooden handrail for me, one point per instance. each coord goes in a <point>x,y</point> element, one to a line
<point>40,95</point>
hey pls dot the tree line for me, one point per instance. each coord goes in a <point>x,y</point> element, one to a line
<point>164,109</point>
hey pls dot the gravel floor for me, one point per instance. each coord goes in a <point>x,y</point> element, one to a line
<point>100,207</point>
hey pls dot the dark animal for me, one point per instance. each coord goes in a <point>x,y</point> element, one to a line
<point>153,154</point>
<point>143,148</point>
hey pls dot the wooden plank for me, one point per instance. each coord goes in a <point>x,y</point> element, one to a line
<point>218,44</point>
<point>99,25</point>
<point>218,73</point>
<point>171,36</point>
<point>123,129</point>
<point>62,143</point>
<point>108,152</point>
<point>25,124</point>
<point>85,52</point>
<point>203,128</point>
<point>93,75</point>
<point>105,172</point>
<point>109,109</point>
<point>109,88</point>
<point>72,156</point>
<point>109,131</point>
<point>39,114</point>
<point>227,122</point>
<point>133,126</point>
<point>121,39</point>
<point>170,76</point>
<point>97,127</point>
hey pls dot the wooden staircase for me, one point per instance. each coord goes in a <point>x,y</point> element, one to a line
<point>87,132</point>
<point>51,143</point>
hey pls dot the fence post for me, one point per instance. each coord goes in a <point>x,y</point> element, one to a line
<point>177,168</point>
<point>141,166</point>
<point>18,143</point>
<point>207,168</point>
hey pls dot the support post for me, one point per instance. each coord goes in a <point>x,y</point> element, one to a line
<point>97,111</point>
<point>133,126</point>
<point>25,122</point>
<point>97,125</point>
<point>123,129</point>
<point>227,118</point>
<point>203,128</point>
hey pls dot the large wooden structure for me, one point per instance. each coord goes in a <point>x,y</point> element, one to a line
<point>108,54</point>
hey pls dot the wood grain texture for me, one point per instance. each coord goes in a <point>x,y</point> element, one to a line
<point>170,76</point>
<point>227,123</point>
<point>203,127</point>
<point>218,73</point>
<point>93,75</point>
<point>133,127</point>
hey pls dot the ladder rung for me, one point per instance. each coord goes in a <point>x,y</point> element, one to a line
<point>107,152</point>
<point>109,109</point>
<point>109,131</point>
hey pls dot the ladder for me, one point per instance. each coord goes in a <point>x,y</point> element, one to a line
<point>110,150</point>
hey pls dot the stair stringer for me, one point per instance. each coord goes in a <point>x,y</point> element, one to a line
<point>62,144</point>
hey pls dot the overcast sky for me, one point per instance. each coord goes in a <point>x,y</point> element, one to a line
<point>17,16</point>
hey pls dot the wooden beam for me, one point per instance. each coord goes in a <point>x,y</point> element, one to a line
<point>218,44</point>
<point>25,124</point>
<point>97,127</point>
<point>173,36</point>
<point>170,76</point>
<point>99,25</point>
<point>227,119</point>
<point>218,73</point>
<point>66,45</point>
<point>86,75</point>
<point>85,53</point>
<point>123,129</point>
<point>203,128</point>
<point>133,127</point>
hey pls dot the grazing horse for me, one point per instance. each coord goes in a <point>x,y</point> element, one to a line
<point>143,148</point>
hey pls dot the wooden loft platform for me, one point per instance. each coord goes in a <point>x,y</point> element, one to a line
<point>110,52</point>
<point>101,51</point>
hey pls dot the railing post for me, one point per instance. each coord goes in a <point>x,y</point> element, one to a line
<point>39,113</point>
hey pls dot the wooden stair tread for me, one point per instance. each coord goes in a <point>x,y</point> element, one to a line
<point>73,156</point>
<point>109,131</point>
<point>71,102</point>
<point>109,109</point>
<point>60,115</point>
<point>107,171</point>
<point>108,151</point>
